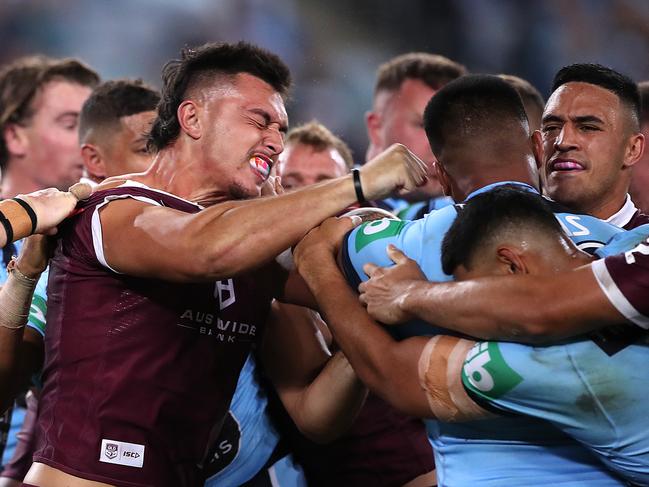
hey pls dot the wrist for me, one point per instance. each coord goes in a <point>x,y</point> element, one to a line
<point>27,269</point>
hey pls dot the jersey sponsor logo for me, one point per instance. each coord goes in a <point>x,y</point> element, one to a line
<point>486,371</point>
<point>37,312</point>
<point>223,330</point>
<point>642,249</point>
<point>224,291</point>
<point>121,453</point>
<point>376,230</point>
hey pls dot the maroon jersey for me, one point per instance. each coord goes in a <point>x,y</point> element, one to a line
<point>624,278</point>
<point>138,371</point>
<point>636,220</point>
<point>383,448</point>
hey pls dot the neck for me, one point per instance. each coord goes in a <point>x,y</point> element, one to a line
<point>15,181</point>
<point>606,207</point>
<point>484,174</point>
<point>173,170</point>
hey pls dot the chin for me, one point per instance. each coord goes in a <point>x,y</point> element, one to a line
<point>240,192</point>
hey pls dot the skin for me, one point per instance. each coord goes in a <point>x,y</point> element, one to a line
<point>586,128</point>
<point>640,177</point>
<point>44,151</point>
<point>302,165</point>
<point>397,117</point>
<point>118,150</point>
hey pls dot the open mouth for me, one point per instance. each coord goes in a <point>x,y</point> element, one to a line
<point>564,165</point>
<point>261,166</point>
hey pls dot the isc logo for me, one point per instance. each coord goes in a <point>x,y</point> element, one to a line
<point>131,454</point>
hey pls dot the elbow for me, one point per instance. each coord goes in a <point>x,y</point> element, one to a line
<point>322,435</point>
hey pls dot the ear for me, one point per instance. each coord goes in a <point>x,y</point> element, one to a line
<point>16,140</point>
<point>537,148</point>
<point>188,118</point>
<point>511,260</point>
<point>634,149</point>
<point>373,122</point>
<point>93,160</point>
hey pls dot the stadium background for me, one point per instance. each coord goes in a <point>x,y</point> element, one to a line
<point>334,47</point>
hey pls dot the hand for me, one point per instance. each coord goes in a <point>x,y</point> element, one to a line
<point>272,186</point>
<point>53,206</point>
<point>322,242</point>
<point>383,294</point>
<point>394,170</point>
<point>34,255</point>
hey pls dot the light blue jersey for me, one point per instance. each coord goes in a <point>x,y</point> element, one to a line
<point>505,451</point>
<point>418,210</point>
<point>593,390</point>
<point>243,449</point>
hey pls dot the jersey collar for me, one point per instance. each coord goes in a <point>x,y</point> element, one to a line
<point>489,187</point>
<point>625,214</point>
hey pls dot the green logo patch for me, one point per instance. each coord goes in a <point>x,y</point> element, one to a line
<point>37,312</point>
<point>486,372</point>
<point>376,230</point>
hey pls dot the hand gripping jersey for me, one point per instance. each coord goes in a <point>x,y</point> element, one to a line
<point>139,372</point>
<point>592,387</point>
<point>503,451</point>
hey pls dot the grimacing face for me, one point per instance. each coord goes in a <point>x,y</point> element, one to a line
<point>583,146</point>
<point>240,123</point>
<point>301,165</point>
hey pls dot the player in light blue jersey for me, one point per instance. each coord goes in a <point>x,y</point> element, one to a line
<point>498,152</point>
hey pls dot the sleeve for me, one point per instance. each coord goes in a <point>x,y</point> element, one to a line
<point>369,241</point>
<point>624,279</point>
<point>38,309</point>
<point>519,379</point>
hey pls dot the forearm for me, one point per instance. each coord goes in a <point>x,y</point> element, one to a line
<point>233,237</point>
<point>532,309</point>
<point>329,405</point>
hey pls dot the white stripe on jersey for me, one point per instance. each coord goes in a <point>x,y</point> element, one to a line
<point>615,296</point>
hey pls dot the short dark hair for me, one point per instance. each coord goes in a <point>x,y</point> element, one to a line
<point>643,89</point>
<point>432,69</point>
<point>316,135</point>
<point>528,93</point>
<point>22,79</point>
<point>209,60</point>
<point>604,77</point>
<point>488,214</point>
<point>473,104</point>
<point>113,100</point>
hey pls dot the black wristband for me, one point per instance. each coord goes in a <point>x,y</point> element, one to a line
<point>29,210</point>
<point>358,187</point>
<point>7,226</point>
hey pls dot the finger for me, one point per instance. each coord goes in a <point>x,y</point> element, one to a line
<point>396,255</point>
<point>370,269</point>
<point>81,191</point>
<point>362,299</point>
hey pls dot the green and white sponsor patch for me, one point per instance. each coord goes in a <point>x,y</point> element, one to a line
<point>378,229</point>
<point>486,373</point>
<point>37,312</point>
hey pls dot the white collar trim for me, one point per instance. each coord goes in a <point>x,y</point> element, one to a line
<point>625,214</point>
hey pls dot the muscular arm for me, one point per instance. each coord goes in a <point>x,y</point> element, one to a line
<point>532,309</point>
<point>321,393</point>
<point>389,368</point>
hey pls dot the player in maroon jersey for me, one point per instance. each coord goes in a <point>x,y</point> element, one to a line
<point>143,367</point>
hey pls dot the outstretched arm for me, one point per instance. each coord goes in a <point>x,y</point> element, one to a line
<point>234,237</point>
<point>524,308</point>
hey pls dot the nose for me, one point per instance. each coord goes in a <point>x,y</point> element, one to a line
<point>566,140</point>
<point>274,140</point>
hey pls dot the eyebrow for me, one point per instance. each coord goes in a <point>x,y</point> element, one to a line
<point>579,119</point>
<point>67,114</point>
<point>267,118</point>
